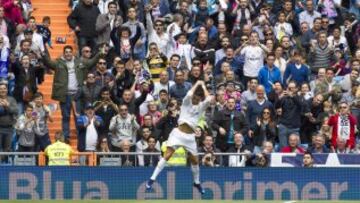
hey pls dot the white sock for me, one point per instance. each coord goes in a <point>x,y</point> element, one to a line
<point>160,166</point>
<point>195,169</point>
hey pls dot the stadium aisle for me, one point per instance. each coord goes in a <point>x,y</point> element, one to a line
<point>58,11</point>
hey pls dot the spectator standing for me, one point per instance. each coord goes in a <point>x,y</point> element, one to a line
<point>151,160</point>
<point>26,129</point>
<point>143,144</point>
<point>269,74</point>
<point>181,87</point>
<point>343,126</point>
<point>82,20</point>
<point>227,122</point>
<point>290,120</point>
<point>106,22</point>
<point>68,77</point>
<point>44,116</point>
<point>106,109</point>
<point>88,93</point>
<point>254,54</point>
<point>123,127</point>
<point>88,125</point>
<point>309,14</point>
<point>265,130</point>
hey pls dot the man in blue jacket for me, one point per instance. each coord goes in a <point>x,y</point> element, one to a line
<point>269,74</point>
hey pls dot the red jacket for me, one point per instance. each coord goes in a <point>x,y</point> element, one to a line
<point>12,12</point>
<point>333,122</point>
<point>288,149</point>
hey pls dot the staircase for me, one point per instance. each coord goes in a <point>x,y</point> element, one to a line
<point>58,11</point>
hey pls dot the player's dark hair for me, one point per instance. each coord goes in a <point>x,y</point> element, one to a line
<point>199,91</point>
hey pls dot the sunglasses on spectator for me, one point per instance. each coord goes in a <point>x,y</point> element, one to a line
<point>87,51</point>
<point>102,63</point>
<point>266,112</point>
<point>268,34</point>
<point>196,63</point>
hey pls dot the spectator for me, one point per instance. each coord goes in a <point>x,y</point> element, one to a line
<point>127,160</point>
<point>239,147</point>
<point>26,129</point>
<point>269,74</point>
<point>318,145</point>
<point>208,147</point>
<point>12,9</point>
<point>168,122</point>
<point>309,14</point>
<point>88,132</point>
<point>254,53</point>
<point>124,79</point>
<point>163,84</point>
<point>227,122</point>
<point>143,144</point>
<point>151,160</point>
<point>83,20</point>
<point>135,25</point>
<point>321,53</point>
<point>68,77</point>
<point>103,145</point>
<point>163,101</point>
<point>45,31</point>
<point>88,93</point>
<point>181,87</point>
<point>8,113</point>
<point>296,71</point>
<point>25,83</point>
<point>265,130</point>
<point>102,76</point>
<point>290,119</point>
<point>10,31</point>
<point>343,128</point>
<point>123,127</point>
<point>156,61</point>
<point>106,22</point>
<point>255,108</point>
<point>293,146</point>
<point>106,109</point>
<point>156,32</point>
<point>44,115</point>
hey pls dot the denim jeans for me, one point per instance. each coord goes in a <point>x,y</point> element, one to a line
<point>284,133</point>
<point>65,114</point>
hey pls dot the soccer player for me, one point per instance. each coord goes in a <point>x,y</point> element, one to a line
<point>193,107</point>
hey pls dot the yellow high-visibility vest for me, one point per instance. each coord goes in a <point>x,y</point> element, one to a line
<point>179,157</point>
<point>59,154</point>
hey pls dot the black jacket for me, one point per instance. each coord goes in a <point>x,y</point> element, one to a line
<point>292,109</point>
<point>264,132</point>
<point>222,119</point>
<point>22,79</point>
<point>85,17</point>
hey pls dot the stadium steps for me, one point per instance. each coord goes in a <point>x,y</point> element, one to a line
<point>58,11</point>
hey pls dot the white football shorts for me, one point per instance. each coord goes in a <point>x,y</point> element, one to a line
<point>178,139</point>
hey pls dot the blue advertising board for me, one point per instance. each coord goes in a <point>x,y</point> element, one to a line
<point>176,183</point>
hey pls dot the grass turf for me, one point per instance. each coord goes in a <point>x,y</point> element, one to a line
<point>170,201</point>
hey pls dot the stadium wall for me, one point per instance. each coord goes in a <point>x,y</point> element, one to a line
<point>176,183</point>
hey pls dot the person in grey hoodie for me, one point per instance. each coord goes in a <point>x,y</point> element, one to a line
<point>8,113</point>
<point>123,126</point>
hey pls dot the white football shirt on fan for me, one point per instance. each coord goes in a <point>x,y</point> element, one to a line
<point>254,60</point>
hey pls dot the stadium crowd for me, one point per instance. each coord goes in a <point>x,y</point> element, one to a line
<point>284,73</point>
